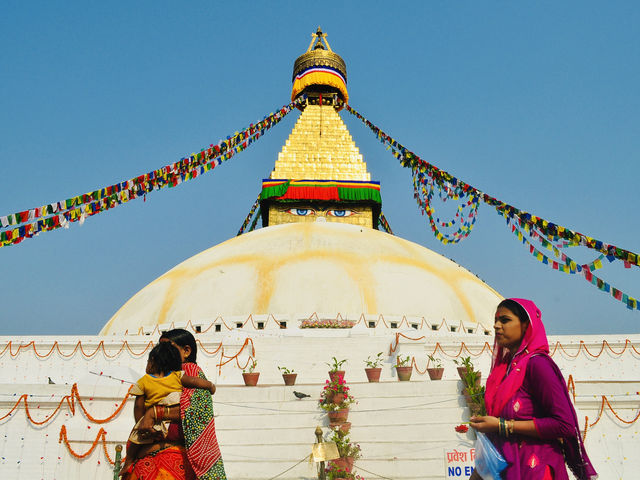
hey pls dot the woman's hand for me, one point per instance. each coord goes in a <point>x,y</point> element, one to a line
<point>212,388</point>
<point>484,424</point>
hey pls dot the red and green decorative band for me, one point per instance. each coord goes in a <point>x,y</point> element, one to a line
<point>328,190</point>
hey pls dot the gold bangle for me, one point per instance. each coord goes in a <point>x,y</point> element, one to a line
<point>511,426</point>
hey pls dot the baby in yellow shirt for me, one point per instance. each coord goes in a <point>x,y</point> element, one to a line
<point>162,385</point>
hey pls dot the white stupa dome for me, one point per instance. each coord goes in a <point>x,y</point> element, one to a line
<point>299,269</point>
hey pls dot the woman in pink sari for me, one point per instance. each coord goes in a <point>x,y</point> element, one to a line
<point>530,419</point>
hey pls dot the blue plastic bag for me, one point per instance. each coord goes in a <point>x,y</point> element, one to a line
<point>489,461</point>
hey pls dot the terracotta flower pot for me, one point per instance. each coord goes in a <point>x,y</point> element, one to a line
<point>343,463</point>
<point>289,378</point>
<point>373,374</point>
<point>344,427</point>
<point>334,375</point>
<point>404,373</point>
<point>338,416</point>
<point>435,373</point>
<point>335,397</point>
<point>251,379</point>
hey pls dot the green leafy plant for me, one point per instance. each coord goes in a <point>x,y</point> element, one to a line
<point>376,362</point>
<point>336,364</point>
<point>250,367</point>
<point>346,448</point>
<point>474,391</point>
<point>286,371</point>
<point>464,362</point>
<point>435,361</point>
<point>403,362</point>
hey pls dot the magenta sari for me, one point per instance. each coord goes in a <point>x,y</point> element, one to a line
<point>530,386</point>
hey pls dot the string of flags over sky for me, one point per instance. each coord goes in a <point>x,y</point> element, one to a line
<point>427,180</point>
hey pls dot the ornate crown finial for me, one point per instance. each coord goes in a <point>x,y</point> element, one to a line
<point>320,70</point>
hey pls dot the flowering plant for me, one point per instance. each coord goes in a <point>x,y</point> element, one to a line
<point>346,448</point>
<point>333,473</point>
<point>462,428</point>
<point>327,323</point>
<point>376,362</point>
<point>332,388</point>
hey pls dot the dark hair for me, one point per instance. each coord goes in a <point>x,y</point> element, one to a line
<point>515,308</point>
<point>183,338</point>
<point>166,358</point>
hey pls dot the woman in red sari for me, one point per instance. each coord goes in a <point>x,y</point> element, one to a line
<point>191,449</point>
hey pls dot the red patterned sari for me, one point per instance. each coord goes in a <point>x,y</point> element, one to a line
<point>167,464</point>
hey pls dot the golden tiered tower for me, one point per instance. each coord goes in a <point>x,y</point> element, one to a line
<point>319,174</point>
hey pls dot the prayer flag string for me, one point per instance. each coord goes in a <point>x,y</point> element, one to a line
<point>428,178</point>
<point>250,216</point>
<point>29,223</point>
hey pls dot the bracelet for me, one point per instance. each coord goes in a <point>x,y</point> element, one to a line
<point>158,417</point>
<point>512,423</point>
<point>502,428</point>
<point>166,412</point>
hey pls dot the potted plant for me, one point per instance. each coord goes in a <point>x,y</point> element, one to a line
<point>289,376</point>
<point>404,368</point>
<point>334,473</point>
<point>436,370</point>
<point>349,451</point>
<point>250,377</point>
<point>464,364</point>
<point>374,368</point>
<point>335,399</point>
<point>335,368</point>
<point>473,391</point>
<point>334,391</point>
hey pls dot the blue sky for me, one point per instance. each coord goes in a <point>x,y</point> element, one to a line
<point>536,103</point>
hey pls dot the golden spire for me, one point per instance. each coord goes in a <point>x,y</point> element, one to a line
<point>319,174</point>
<point>320,147</point>
<point>320,72</point>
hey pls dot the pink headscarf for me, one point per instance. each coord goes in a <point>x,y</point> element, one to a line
<point>507,374</point>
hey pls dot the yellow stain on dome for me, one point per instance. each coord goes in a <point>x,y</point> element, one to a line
<point>258,273</point>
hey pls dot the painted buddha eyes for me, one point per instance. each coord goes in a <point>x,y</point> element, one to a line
<point>332,212</point>
<point>301,212</point>
<point>340,213</point>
